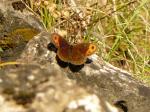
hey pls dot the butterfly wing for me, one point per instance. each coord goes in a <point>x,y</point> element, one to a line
<point>80,52</point>
<point>58,40</point>
<point>62,45</point>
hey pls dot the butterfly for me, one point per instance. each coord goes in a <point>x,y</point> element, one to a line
<point>74,54</point>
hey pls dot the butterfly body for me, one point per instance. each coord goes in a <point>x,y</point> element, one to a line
<point>74,54</point>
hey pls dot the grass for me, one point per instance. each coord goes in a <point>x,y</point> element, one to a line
<point>121,28</point>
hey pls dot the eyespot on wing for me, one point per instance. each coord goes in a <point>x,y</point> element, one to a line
<point>55,39</point>
<point>58,40</point>
<point>91,49</point>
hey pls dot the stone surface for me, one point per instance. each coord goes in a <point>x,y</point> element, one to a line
<point>39,77</point>
<point>16,28</point>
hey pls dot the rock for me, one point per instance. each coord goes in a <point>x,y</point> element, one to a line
<point>40,84</point>
<point>16,29</point>
<point>33,88</point>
